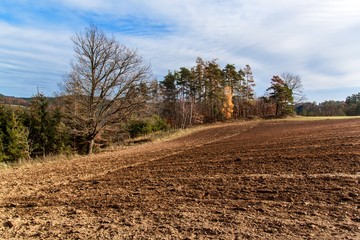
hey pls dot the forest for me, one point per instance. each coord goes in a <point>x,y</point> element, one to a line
<point>109,96</point>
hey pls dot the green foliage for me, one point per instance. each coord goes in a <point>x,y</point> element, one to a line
<point>17,147</point>
<point>169,93</point>
<point>353,105</point>
<point>282,96</point>
<point>2,150</point>
<point>158,124</point>
<point>13,136</point>
<point>46,132</point>
<point>328,108</point>
<point>138,127</point>
<point>33,131</point>
<point>197,95</point>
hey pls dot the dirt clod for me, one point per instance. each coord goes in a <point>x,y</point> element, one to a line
<point>8,224</point>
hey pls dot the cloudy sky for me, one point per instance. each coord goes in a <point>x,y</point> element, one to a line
<point>318,40</point>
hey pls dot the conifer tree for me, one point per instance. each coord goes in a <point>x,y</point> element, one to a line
<point>45,132</point>
<point>214,95</point>
<point>247,98</point>
<point>169,93</point>
<point>17,139</point>
<point>281,95</point>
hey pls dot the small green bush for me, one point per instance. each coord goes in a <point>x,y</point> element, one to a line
<point>139,127</point>
<point>158,124</point>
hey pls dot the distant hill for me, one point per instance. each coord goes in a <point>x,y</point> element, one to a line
<point>9,100</point>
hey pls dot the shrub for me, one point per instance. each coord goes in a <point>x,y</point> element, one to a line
<point>158,124</point>
<point>138,127</point>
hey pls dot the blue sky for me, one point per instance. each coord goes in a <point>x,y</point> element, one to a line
<point>318,40</point>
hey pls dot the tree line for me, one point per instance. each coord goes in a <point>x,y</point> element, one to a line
<point>349,107</point>
<point>208,93</point>
<point>109,95</point>
<point>34,131</point>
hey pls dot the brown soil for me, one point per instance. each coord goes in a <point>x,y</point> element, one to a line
<point>254,180</point>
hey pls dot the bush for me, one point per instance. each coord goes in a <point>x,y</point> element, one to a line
<point>158,124</point>
<point>138,127</point>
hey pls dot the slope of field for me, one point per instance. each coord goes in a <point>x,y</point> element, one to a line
<point>255,180</point>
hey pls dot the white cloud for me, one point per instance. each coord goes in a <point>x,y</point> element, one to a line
<point>31,58</point>
<point>317,40</point>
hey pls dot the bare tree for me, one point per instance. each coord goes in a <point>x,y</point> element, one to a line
<point>294,83</point>
<point>105,84</point>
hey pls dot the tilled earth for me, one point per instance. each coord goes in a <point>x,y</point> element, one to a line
<point>252,180</point>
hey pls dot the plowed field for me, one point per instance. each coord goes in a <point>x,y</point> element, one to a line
<point>251,180</point>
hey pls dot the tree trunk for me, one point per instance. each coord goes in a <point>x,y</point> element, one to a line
<point>91,146</point>
<point>278,109</point>
<point>191,112</point>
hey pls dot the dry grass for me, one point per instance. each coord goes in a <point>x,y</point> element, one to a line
<point>37,161</point>
<point>317,118</point>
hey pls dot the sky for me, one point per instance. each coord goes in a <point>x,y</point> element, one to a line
<point>317,40</point>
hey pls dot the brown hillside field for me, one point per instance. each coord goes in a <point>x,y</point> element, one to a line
<point>250,180</point>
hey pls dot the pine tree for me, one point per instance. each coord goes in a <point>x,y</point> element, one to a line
<point>169,92</point>
<point>214,96</point>
<point>46,134</point>
<point>17,139</point>
<point>235,80</point>
<point>281,95</point>
<point>247,98</point>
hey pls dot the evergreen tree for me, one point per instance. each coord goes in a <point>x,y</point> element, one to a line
<point>184,81</point>
<point>235,80</point>
<point>206,93</point>
<point>17,139</point>
<point>281,95</point>
<point>232,78</point>
<point>199,75</point>
<point>249,83</point>
<point>247,90</point>
<point>169,93</point>
<point>47,135</point>
<point>214,92</point>
<point>39,123</point>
